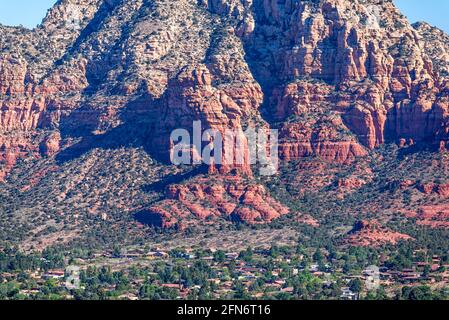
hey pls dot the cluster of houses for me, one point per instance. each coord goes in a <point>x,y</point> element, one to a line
<point>39,277</point>
<point>427,270</point>
<point>248,274</point>
<point>431,271</point>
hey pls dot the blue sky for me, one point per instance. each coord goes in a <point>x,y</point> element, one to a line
<point>30,12</point>
<point>26,12</point>
<point>434,12</point>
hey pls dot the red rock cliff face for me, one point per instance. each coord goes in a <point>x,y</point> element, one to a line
<point>231,198</point>
<point>26,106</point>
<point>336,77</point>
<point>333,68</point>
<point>378,79</point>
<point>33,92</point>
<point>19,109</point>
<point>372,234</point>
<point>192,97</point>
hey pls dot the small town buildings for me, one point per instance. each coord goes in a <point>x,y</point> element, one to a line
<point>347,294</point>
<point>54,274</point>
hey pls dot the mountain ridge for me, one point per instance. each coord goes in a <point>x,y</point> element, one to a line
<point>100,83</point>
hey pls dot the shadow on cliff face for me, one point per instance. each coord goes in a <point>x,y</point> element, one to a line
<point>419,130</point>
<point>99,67</point>
<point>417,148</point>
<point>138,119</point>
<point>145,218</point>
<point>265,55</point>
<point>137,116</point>
<point>270,54</point>
<point>176,178</point>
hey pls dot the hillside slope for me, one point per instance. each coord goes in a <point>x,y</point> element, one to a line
<point>89,99</point>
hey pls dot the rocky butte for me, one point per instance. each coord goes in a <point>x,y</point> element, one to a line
<point>338,79</point>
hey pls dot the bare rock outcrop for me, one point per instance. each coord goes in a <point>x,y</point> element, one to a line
<point>372,234</point>
<point>51,144</point>
<point>337,78</point>
<point>433,216</point>
<point>230,198</point>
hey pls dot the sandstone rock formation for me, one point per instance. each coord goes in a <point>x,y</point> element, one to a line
<point>357,68</point>
<point>229,197</point>
<point>436,45</point>
<point>436,216</point>
<point>427,188</point>
<point>51,145</point>
<point>337,78</point>
<point>372,234</point>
